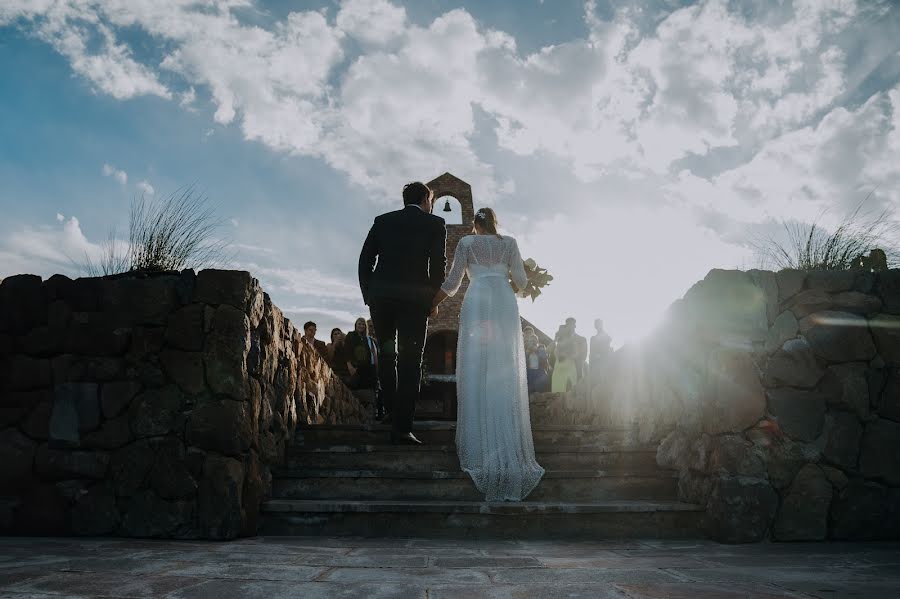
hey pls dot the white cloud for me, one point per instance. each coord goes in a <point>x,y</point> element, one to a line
<point>235,222</point>
<point>145,188</point>
<point>117,174</point>
<point>59,217</point>
<point>375,22</point>
<point>47,250</point>
<point>308,282</point>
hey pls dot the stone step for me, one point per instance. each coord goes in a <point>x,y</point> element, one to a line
<point>476,519</point>
<point>455,485</point>
<point>443,457</point>
<point>444,433</point>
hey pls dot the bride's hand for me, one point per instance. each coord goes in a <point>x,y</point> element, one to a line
<point>434,312</point>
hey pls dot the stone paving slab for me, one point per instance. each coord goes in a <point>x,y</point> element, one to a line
<point>314,567</point>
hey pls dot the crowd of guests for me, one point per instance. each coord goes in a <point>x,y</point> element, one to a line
<point>559,367</point>
<point>352,356</point>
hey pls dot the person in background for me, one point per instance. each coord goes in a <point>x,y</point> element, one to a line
<point>601,350</point>
<point>361,357</point>
<point>309,337</point>
<point>380,412</point>
<point>581,349</point>
<point>565,373</point>
<point>537,366</point>
<point>370,326</point>
<point>335,355</point>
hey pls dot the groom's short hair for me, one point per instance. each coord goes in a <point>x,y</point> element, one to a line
<point>415,193</point>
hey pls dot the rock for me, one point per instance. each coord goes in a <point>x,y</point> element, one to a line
<point>219,498</point>
<point>187,283</point>
<point>151,516</point>
<point>257,485</point>
<point>888,400</point>
<point>115,397</point>
<point>810,301</point>
<point>170,477</point>
<point>225,354</point>
<point>96,334</point>
<point>846,387</point>
<point>59,464</point>
<point>59,315</point>
<point>888,287</point>
<point>37,424</point>
<point>785,459</point>
<point>16,458</point>
<point>783,329</point>
<point>225,426</point>
<point>57,287</point>
<point>856,303</point>
<point>23,304</point>
<point>739,510</point>
<point>804,512</point>
<point>727,306</point>
<point>831,281</point>
<point>27,373</point>
<point>836,477</point>
<point>95,513</point>
<point>733,455</point>
<point>147,301</point>
<point>843,432</point>
<point>77,369</point>
<point>768,282</point>
<point>185,369</point>
<point>734,398</point>
<point>800,414</point>
<point>694,487</point>
<point>860,511</point>
<point>790,282</point>
<point>79,399</point>
<point>880,452</point>
<point>83,294</point>
<point>235,288</point>
<point>15,405</point>
<point>794,365</point>
<point>146,341</point>
<point>42,511</point>
<point>838,336</point>
<point>886,332</point>
<point>185,329</point>
<point>155,411</point>
<point>113,434</point>
<point>674,451</point>
<point>42,342</point>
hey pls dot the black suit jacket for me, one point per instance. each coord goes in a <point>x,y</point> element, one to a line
<point>410,246</point>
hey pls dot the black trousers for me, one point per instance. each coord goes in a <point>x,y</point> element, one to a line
<point>400,327</point>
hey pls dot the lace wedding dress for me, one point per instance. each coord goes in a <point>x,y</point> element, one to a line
<point>493,427</point>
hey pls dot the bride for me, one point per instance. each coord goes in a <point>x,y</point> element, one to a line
<point>493,429</point>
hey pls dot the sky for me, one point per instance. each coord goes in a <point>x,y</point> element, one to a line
<point>630,147</point>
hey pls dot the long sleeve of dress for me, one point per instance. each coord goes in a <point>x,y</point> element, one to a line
<point>517,266</point>
<point>460,261</point>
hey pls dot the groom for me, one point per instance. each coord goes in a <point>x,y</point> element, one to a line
<point>410,247</point>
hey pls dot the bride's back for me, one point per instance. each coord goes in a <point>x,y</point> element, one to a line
<point>488,252</point>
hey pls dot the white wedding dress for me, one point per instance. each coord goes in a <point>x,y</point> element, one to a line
<point>493,425</point>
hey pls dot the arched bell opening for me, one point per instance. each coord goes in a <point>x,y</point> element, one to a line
<point>450,209</point>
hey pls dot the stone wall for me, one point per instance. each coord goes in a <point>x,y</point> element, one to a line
<point>150,406</point>
<point>777,397</point>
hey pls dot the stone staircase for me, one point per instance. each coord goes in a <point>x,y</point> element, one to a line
<point>347,480</point>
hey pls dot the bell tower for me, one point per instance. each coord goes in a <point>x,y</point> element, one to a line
<point>438,398</point>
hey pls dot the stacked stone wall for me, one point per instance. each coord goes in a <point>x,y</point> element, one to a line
<point>150,406</point>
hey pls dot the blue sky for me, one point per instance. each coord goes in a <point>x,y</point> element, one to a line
<point>629,146</point>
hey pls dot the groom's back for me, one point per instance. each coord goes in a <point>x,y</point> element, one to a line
<point>411,259</point>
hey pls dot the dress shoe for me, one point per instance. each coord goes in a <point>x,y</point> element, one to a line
<point>404,439</point>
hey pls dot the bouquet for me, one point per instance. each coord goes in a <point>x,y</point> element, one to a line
<point>538,278</point>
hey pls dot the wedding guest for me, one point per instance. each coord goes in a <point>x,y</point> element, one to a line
<point>581,349</point>
<point>370,327</point>
<point>335,355</point>
<point>361,357</point>
<point>380,412</point>
<point>309,337</point>
<point>537,366</point>
<point>565,373</point>
<point>601,350</point>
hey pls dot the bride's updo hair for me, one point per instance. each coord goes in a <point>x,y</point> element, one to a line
<point>486,220</point>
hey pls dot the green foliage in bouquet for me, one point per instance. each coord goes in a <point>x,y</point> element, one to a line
<point>538,278</point>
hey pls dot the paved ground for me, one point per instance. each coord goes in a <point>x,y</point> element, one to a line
<point>310,568</point>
